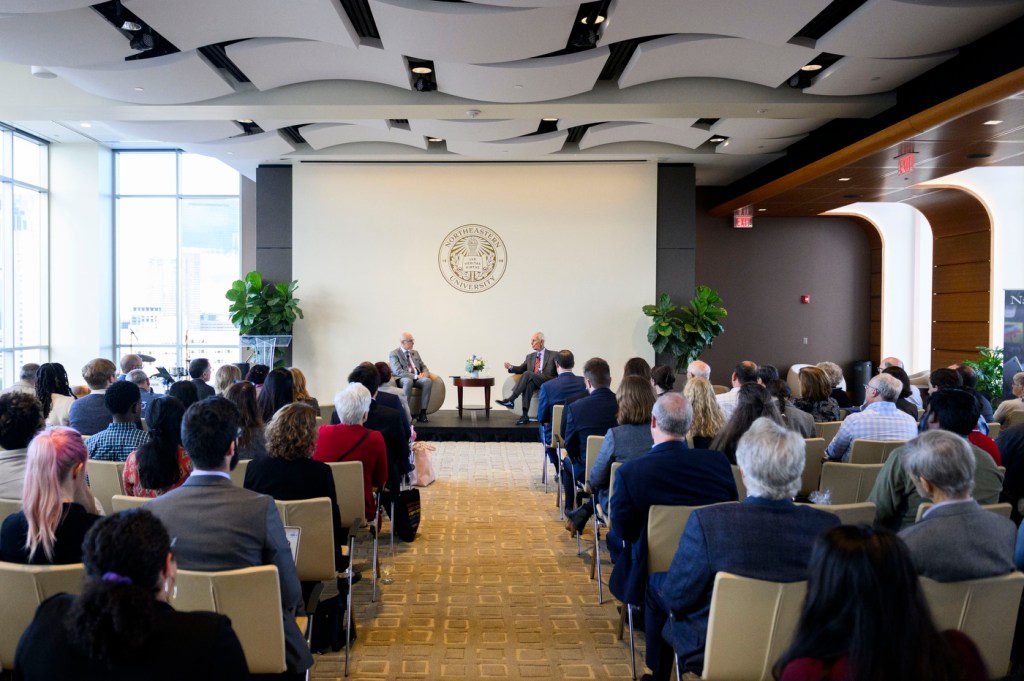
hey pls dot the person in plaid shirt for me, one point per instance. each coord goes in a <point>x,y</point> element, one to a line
<point>125,434</point>
<point>879,420</point>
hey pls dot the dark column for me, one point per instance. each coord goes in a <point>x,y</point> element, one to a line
<point>677,236</point>
<point>274,226</point>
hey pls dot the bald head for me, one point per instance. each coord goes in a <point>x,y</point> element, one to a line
<point>698,369</point>
<point>891,362</point>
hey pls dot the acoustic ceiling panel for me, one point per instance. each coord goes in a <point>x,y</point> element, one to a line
<point>39,6</point>
<point>738,146</point>
<point>608,133</point>
<point>865,76</point>
<point>474,131</point>
<point>268,124</point>
<point>72,38</point>
<point>691,56</point>
<point>322,136</point>
<point>519,147</point>
<point>272,62</point>
<point>530,80</point>
<point>528,3</point>
<point>766,127</point>
<point>468,33</point>
<point>250,148</point>
<point>178,132</point>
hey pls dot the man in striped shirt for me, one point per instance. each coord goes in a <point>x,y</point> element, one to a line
<point>879,420</point>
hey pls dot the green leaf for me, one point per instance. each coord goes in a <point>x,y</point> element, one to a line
<point>254,279</point>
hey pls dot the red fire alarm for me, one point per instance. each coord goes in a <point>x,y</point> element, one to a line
<point>806,300</point>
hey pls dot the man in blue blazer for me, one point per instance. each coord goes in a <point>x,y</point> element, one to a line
<point>557,391</point>
<point>670,474</point>
<point>592,415</point>
<point>766,537</point>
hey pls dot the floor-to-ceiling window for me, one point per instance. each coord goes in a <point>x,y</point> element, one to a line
<point>24,305</point>
<point>177,221</point>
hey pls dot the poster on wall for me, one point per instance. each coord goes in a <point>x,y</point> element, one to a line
<point>1013,339</point>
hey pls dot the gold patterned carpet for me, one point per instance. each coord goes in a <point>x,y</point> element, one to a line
<point>492,587</point>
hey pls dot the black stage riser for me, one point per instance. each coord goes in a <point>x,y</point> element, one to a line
<point>446,426</point>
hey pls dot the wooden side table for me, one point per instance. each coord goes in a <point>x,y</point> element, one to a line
<point>461,382</point>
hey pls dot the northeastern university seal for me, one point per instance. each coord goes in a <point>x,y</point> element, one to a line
<point>472,258</point>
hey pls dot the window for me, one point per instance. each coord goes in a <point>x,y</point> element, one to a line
<point>177,218</point>
<point>24,227</point>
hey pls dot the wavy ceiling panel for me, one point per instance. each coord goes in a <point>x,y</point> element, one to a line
<point>273,62</point>
<point>609,133</point>
<point>864,76</point>
<point>250,148</point>
<point>71,38</point>
<point>526,4</point>
<point>737,146</point>
<point>519,147</point>
<point>39,6</point>
<point>322,136</point>
<point>530,80</point>
<point>178,132</point>
<point>468,33</point>
<point>189,24</point>
<point>474,131</point>
<point>693,56</point>
<point>268,124</point>
<point>766,127</point>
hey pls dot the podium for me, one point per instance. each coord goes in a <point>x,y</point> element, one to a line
<point>263,347</point>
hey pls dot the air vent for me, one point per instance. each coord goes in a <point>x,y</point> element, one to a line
<point>359,14</point>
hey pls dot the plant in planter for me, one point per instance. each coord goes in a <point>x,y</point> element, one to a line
<point>989,369</point>
<point>259,309</point>
<point>685,332</point>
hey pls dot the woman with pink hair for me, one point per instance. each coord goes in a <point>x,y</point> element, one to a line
<point>58,508</point>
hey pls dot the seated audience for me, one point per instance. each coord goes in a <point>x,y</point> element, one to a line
<point>797,420</point>
<point>1014,405</point>
<point>89,414</point>
<point>146,394</point>
<point>1011,447</point>
<point>753,403</point>
<point>200,371</point>
<point>389,399</point>
<point>969,378</point>
<point>219,526</point>
<point>744,372</point>
<point>708,419</point>
<point>902,403</point>
<point>54,393</point>
<point>765,537</point>
<point>57,506</point>
<point>956,539</point>
<point>591,415</point>
<point>915,393</point>
<point>252,441</point>
<point>278,390</point>
<point>21,418</point>
<point>288,471</point>
<point>257,374</point>
<point>352,441</point>
<point>121,624</point>
<point>558,391</point>
<point>26,382</point>
<point>663,378</point>
<point>766,373</point>
<point>671,473</point>
<point>185,391</point>
<point>226,376</point>
<point>125,434</point>
<point>698,369</point>
<point>628,440</point>
<point>816,395</point>
<point>301,393</point>
<point>128,364</point>
<point>894,495</point>
<point>865,618</point>
<point>835,378</point>
<point>161,464</point>
<point>879,420</point>
<point>637,366</point>
<point>384,371</point>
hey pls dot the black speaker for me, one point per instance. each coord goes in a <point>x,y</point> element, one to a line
<point>861,373</point>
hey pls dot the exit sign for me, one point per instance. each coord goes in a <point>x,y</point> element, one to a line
<point>906,163</point>
<point>743,221</point>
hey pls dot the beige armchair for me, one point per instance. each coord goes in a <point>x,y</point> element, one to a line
<point>437,394</point>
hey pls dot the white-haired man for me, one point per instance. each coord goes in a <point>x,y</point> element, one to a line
<point>146,394</point>
<point>536,369</point>
<point>26,381</point>
<point>915,392</point>
<point>698,369</point>
<point>879,420</point>
<point>409,370</point>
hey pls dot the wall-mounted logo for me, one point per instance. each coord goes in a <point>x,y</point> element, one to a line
<point>472,258</point>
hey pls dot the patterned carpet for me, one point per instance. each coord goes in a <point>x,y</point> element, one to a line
<point>492,587</point>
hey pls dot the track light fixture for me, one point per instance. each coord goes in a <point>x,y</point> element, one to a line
<point>142,42</point>
<point>424,84</point>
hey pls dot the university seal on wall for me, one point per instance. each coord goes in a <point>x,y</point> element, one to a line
<point>472,258</point>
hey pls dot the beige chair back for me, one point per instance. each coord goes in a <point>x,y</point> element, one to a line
<point>984,609</point>
<point>720,389</point>
<point>607,518</point>
<point>105,480</point>
<point>994,429</point>
<point>665,525</point>
<point>348,489</point>
<point>999,509</point>
<point>556,425</point>
<point>741,489</point>
<point>850,483</point>
<point>593,447</point>
<point>850,514</point>
<point>873,451</point>
<point>314,561</point>
<point>827,430</point>
<point>751,624</point>
<point>22,589</point>
<point>814,453</point>
<point>9,507</point>
<point>122,502</point>
<point>251,597</point>
<point>238,475</point>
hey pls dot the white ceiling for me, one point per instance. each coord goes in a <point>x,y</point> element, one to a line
<point>500,67</point>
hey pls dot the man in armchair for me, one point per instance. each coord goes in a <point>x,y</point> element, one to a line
<point>538,367</point>
<point>408,368</point>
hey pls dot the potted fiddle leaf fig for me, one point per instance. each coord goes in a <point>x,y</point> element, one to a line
<point>685,332</point>
<point>263,309</point>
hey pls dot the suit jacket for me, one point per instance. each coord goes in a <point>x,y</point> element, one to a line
<point>89,415</point>
<point>181,645</point>
<point>394,402</point>
<point>400,368</point>
<point>547,365</point>
<point>670,474</point>
<point>959,541</point>
<point>222,527</point>
<point>203,389</point>
<point>553,392</point>
<point>593,415</point>
<point>760,538</point>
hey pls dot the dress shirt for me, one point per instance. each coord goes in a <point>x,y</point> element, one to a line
<point>727,401</point>
<point>878,421</point>
<point>12,472</point>
<point>116,442</point>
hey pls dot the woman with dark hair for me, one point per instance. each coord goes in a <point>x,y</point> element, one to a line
<point>663,378</point>
<point>121,626</point>
<point>796,419</point>
<point>54,393</point>
<point>185,391</point>
<point>865,618</point>
<point>816,395</point>
<point>257,374</point>
<point>278,390</point>
<point>252,442</point>
<point>161,464</point>
<point>637,366</point>
<point>902,403</point>
<point>766,373</point>
<point>752,402</point>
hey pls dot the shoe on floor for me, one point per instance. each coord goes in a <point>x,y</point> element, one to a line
<point>576,520</point>
<point>523,420</point>
<point>422,418</point>
<point>508,404</point>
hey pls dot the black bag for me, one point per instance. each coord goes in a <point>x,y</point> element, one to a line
<point>329,625</point>
<point>407,512</point>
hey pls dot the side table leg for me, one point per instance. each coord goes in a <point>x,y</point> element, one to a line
<point>460,401</point>
<point>487,401</point>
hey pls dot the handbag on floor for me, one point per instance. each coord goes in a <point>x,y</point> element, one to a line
<point>423,473</point>
<point>329,625</point>
<point>407,512</point>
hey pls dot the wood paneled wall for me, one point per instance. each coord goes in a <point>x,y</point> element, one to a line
<point>875,246</point>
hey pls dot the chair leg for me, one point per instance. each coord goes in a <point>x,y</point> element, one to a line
<point>679,674</point>
<point>375,568</point>
<point>558,469</point>
<point>632,645</point>
<point>544,469</point>
<point>348,600</point>
<point>597,556</point>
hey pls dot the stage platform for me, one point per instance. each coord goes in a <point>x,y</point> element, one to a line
<point>446,426</point>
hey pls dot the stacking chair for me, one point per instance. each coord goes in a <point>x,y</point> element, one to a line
<point>741,489</point>
<point>583,486</point>
<point>999,509</point>
<point>22,589</point>
<point>105,480</point>
<point>314,561</point>
<point>814,453</point>
<point>984,609</point>
<point>850,514</point>
<point>850,483</point>
<point>556,444</point>
<point>238,475</point>
<point>827,430</point>
<point>348,488</point>
<point>994,428</point>
<point>593,447</point>
<point>8,507</point>
<point>602,519</point>
<point>873,451</point>
<point>122,502</point>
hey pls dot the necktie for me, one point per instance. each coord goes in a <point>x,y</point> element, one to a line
<point>536,364</point>
<point>408,357</point>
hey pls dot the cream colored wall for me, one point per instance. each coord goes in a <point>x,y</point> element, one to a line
<point>581,263</point>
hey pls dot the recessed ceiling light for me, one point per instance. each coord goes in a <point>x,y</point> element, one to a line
<point>518,87</point>
<point>139,89</point>
<point>991,122</point>
<point>86,125</point>
<point>716,140</point>
<point>131,26</point>
<point>549,119</point>
<point>422,69</point>
<point>231,153</point>
<point>246,121</point>
<point>844,179</point>
<point>725,143</point>
<point>761,210</point>
<point>435,139</point>
<point>597,21</point>
<point>762,111</point>
<point>811,67</point>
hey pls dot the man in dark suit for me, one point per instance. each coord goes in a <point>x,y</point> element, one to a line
<point>89,415</point>
<point>199,369</point>
<point>670,474</point>
<point>592,415</point>
<point>766,537</point>
<point>556,391</point>
<point>538,367</point>
<point>222,527</point>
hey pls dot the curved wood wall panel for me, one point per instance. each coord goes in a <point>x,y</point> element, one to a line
<point>875,324</point>
<point>962,273</point>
